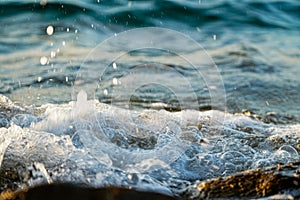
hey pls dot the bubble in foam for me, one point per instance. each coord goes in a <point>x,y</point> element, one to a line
<point>261,163</point>
<point>290,149</point>
<point>234,157</point>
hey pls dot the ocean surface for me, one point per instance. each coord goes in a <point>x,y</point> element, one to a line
<point>148,94</point>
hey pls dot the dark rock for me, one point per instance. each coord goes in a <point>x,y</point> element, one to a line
<point>75,192</point>
<point>250,184</point>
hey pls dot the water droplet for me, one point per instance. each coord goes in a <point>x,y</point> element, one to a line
<point>215,37</point>
<point>39,79</point>
<point>129,176</point>
<point>68,30</point>
<point>115,81</point>
<point>114,65</point>
<point>50,30</point>
<point>43,60</point>
<point>212,87</point>
<point>105,92</point>
<point>52,54</point>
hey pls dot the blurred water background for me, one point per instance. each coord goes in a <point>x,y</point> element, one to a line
<point>254,44</point>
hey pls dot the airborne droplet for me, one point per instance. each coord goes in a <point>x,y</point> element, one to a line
<point>43,60</point>
<point>50,30</point>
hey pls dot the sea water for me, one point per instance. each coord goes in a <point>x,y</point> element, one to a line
<point>94,143</point>
<point>83,101</point>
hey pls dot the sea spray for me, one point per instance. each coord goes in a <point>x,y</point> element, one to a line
<point>95,147</point>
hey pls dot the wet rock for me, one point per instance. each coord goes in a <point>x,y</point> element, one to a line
<point>9,178</point>
<point>250,184</point>
<point>273,183</point>
<point>75,192</point>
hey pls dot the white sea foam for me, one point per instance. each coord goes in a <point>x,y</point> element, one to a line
<point>87,141</point>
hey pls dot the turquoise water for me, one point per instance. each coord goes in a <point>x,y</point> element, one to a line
<point>211,89</point>
<point>254,45</point>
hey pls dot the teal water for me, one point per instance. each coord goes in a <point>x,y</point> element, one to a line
<point>99,98</point>
<point>254,45</point>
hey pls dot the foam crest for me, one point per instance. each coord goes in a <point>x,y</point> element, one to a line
<point>86,140</point>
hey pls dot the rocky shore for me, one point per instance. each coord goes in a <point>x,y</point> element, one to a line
<point>257,183</point>
<point>276,182</point>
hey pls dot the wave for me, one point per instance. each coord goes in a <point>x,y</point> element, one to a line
<point>268,14</point>
<point>97,144</point>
